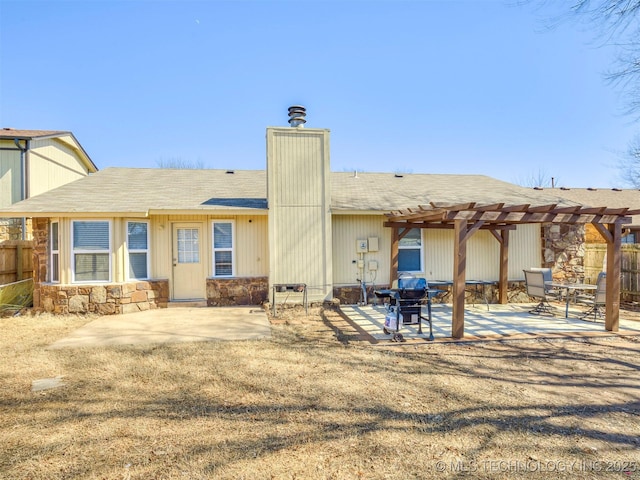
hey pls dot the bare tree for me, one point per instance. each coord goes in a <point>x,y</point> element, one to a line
<point>537,179</point>
<point>629,166</point>
<point>180,164</point>
<point>614,23</point>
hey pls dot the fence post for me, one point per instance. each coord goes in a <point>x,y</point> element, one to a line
<point>19,264</point>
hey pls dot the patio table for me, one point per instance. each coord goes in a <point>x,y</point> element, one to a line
<point>568,288</point>
<point>468,283</point>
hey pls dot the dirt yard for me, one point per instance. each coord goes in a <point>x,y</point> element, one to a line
<point>316,401</point>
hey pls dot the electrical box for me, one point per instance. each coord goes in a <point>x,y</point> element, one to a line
<point>373,265</point>
<point>360,263</point>
<point>361,246</point>
<point>373,244</point>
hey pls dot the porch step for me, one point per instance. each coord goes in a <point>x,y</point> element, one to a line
<point>187,304</point>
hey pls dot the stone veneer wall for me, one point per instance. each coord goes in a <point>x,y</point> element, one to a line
<point>11,229</point>
<point>237,291</point>
<point>516,293</point>
<point>563,251</point>
<point>40,257</point>
<point>109,299</point>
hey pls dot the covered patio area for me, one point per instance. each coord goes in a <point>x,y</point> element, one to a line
<point>500,217</point>
<point>500,322</point>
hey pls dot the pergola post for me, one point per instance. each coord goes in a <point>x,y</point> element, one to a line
<point>503,286</point>
<point>395,242</point>
<point>614,260</point>
<point>459,278</point>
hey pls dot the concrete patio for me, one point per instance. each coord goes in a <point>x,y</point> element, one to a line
<point>511,321</point>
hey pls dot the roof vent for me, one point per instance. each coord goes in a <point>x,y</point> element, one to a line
<point>564,188</point>
<point>398,175</point>
<point>591,189</point>
<point>230,172</point>
<point>616,189</point>
<point>538,188</point>
<point>296,115</point>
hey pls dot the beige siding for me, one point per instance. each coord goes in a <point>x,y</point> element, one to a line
<point>483,251</point>
<point>10,177</point>
<point>525,250</point>
<point>251,246</point>
<point>52,164</point>
<point>347,229</point>
<point>298,188</point>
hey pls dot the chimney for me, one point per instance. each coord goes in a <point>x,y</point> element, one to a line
<point>296,116</point>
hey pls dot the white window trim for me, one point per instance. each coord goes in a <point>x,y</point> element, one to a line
<point>232,249</point>
<point>53,252</point>
<point>129,251</point>
<point>74,251</point>
<point>400,247</point>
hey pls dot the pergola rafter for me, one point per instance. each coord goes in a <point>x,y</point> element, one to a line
<point>500,218</point>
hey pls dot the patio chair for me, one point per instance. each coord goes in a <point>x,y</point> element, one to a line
<point>597,301</point>
<point>547,275</point>
<point>534,282</point>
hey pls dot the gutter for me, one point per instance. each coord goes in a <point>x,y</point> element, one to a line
<point>24,172</point>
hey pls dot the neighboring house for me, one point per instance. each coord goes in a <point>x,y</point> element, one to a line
<point>612,198</point>
<point>33,162</point>
<point>126,239</point>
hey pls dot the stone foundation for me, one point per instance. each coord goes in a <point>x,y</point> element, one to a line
<point>237,291</point>
<point>516,293</point>
<point>104,299</point>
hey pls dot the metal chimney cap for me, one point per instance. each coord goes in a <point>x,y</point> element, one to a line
<point>296,115</point>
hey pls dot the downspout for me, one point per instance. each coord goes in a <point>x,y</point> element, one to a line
<point>24,171</point>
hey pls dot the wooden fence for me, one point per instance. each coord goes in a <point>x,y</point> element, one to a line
<point>16,260</point>
<point>595,261</point>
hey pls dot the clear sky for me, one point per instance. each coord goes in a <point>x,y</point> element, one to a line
<point>417,87</point>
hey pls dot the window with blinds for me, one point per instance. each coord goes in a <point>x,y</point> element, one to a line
<point>138,247</point>
<point>91,250</point>
<point>223,249</point>
<point>410,251</point>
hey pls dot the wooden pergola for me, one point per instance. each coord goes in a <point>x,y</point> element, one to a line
<point>466,219</point>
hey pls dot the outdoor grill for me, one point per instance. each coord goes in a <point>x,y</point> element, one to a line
<point>406,303</point>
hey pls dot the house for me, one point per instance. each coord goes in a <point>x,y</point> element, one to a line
<point>126,239</point>
<point>33,162</point>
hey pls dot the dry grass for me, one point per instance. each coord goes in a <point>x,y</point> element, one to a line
<point>313,402</point>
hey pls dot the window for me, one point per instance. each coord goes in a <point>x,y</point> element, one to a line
<point>54,249</point>
<point>223,249</point>
<point>91,251</point>
<point>138,246</point>
<point>629,238</point>
<point>410,251</point>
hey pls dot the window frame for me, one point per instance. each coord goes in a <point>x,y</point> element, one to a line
<point>54,267</point>
<point>231,249</point>
<point>146,251</point>
<point>75,251</point>
<point>420,251</point>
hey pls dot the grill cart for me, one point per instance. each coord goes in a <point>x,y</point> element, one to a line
<point>404,306</point>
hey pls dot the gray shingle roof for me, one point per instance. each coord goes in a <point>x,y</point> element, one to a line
<point>139,190</point>
<point>388,191</point>
<point>600,197</point>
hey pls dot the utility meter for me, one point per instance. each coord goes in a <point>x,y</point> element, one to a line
<point>362,246</point>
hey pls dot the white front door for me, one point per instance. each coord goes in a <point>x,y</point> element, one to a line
<point>189,280</point>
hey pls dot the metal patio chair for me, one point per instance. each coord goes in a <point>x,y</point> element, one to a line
<point>547,275</point>
<point>534,282</point>
<point>597,301</point>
